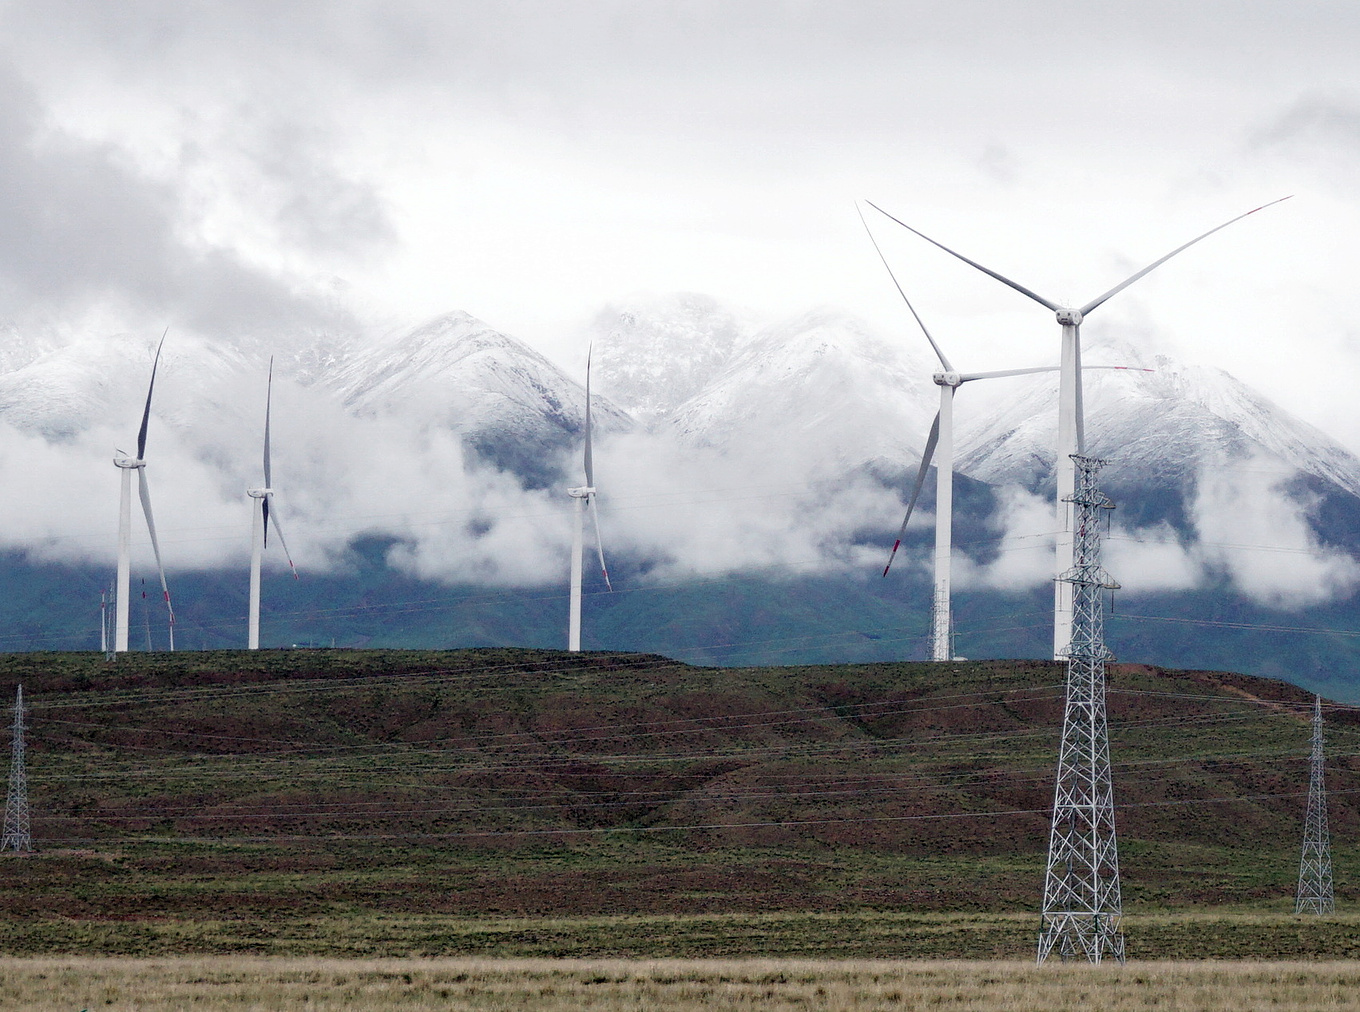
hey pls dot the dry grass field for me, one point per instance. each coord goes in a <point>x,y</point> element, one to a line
<point>68,984</point>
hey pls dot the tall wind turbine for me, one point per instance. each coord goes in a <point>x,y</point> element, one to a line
<point>1071,429</point>
<point>583,495</point>
<point>127,465</point>
<point>260,534</point>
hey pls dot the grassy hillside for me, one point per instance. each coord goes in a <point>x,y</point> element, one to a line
<point>539,802</point>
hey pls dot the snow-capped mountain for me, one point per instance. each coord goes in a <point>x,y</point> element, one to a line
<point>103,381</point>
<point>824,382</point>
<point>1159,428</point>
<point>822,391</point>
<point>511,404</point>
<point>653,353</point>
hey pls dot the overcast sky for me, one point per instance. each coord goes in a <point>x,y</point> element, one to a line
<point>213,165</point>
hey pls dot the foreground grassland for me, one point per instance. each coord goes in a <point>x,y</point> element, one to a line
<point>1180,934</point>
<point>504,803</point>
<point>49,985</point>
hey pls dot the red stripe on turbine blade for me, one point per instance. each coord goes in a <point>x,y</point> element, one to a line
<point>892,555</point>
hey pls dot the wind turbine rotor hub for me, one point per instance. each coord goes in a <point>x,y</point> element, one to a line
<point>947,379</point>
<point>1069,317</point>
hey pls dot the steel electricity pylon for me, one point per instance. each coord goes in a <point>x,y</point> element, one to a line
<point>16,836</point>
<point>1082,906</point>
<point>1315,867</point>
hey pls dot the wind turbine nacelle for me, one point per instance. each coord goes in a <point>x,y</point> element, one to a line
<point>1069,317</point>
<point>584,492</point>
<point>947,379</point>
<point>131,463</point>
<point>259,493</point>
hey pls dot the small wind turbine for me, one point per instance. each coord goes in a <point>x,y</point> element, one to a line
<point>582,495</point>
<point>1071,428</point>
<point>127,465</point>
<point>260,534</point>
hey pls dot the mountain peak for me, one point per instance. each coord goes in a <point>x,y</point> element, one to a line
<point>654,352</point>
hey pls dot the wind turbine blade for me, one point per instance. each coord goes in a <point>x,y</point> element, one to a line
<point>146,412</point>
<point>599,544</point>
<point>274,517</point>
<point>264,519</point>
<point>968,377</point>
<point>590,457</point>
<point>972,263</point>
<point>938,353</point>
<point>144,491</point>
<point>1157,263</point>
<point>926,455</point>
<point>268,396</point>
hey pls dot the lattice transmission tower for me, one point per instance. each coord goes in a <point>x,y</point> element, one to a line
<point>1082,905</point>
<point>16,835</point>
<point>1315,867</point>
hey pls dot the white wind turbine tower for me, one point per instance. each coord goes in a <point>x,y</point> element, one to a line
<point>583,495</point>
<point>1071,434</point>
<point>260,533</point>
<point>127,465</point>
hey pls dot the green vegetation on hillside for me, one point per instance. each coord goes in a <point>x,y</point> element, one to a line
<point>535,802</point>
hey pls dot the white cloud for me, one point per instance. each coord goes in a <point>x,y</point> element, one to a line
<point>1149,559</point>
<point>1025,545</point>
<point>1254,531</point>
<point>702,511</point>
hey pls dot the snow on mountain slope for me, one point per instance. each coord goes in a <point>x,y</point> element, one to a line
<point>1159,428</point>
<point>102,382</point>
<point>823,384</point>
<point>455,372</point>
<point>653,353</point>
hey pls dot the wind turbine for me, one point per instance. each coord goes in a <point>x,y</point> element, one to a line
<point>260,534</point>
<point>1071,428</point>
<point>583,495</point>
<point>127,465</point>
<point>941,437</point>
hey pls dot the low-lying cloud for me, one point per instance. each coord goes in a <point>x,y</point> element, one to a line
<point>671,509</point>
<point>1257,534</point>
